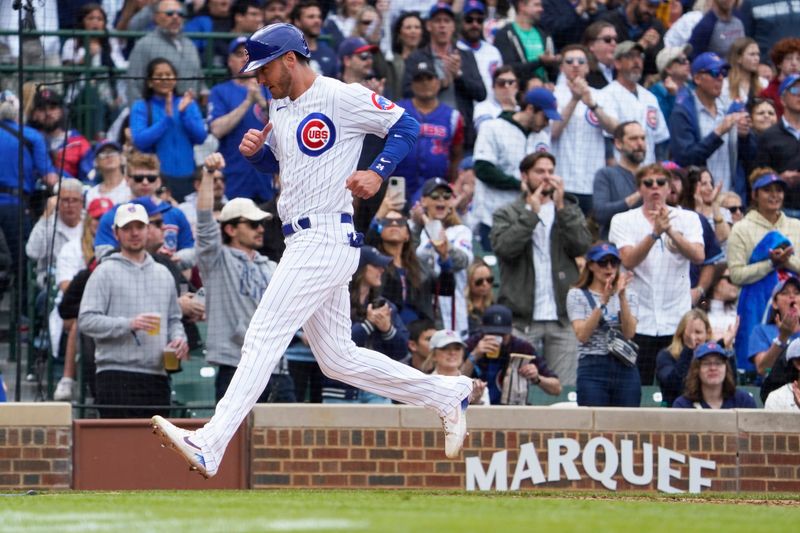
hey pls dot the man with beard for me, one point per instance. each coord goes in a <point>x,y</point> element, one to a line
<point>658,244</point>
<point>307,15</point>
<point>460,79</point>
<point>487,56</point>
<point>440,144</point>
<point>502,143</point>
<point>275,11</point>
<point>523,42</point>
<point>636,21</point>
<point>234,107</point>
<point>536,239</point>
<point>71,151</point>
<point>626,100</point>
<point>169,42</point>
<point>615,188</point>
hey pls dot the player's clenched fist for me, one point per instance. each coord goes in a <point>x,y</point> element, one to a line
<point>254,140</point>
<point>364,183</point>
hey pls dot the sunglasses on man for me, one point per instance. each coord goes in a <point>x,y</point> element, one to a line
<point>139,178</point>
<point>647,182</point>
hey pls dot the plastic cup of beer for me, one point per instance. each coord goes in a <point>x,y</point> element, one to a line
<point>171,361</point>
<point>494,354</point>
<point>155,330</point>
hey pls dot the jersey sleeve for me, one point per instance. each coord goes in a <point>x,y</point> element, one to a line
<point>363,111</point>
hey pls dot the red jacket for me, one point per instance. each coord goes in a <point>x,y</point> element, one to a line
<point>771,92</point>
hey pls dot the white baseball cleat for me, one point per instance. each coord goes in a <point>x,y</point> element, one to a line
<point>179,440</point>
<point>455,429</point>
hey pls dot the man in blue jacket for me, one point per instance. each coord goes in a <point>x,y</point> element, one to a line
<point>707,130</point>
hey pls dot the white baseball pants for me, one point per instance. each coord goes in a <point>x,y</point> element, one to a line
<point>309,289</point>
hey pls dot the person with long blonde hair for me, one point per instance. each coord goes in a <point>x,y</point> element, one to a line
<point>742,82</point>
<point>478,293</point>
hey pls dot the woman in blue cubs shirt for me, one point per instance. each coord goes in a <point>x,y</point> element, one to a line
<point>162,124</point>
<point>710,383</point>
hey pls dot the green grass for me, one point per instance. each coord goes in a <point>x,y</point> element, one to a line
<point>390,511</point>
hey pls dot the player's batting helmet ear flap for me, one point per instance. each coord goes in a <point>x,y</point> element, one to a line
<point>271,42</point>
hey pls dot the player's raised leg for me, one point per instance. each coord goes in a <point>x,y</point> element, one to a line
<point>302,282</point>
<point>329,334</point>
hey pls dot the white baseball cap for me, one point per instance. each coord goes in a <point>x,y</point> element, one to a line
<point>445,337</point>
<point>242,208</point>
<point>127,213</point>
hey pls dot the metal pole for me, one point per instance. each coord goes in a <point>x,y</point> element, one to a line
<point>21,271</point>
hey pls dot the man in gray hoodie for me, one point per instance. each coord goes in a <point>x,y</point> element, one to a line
<point>235,277</point>
<point>130,308</point>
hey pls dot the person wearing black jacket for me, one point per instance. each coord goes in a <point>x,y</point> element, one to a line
<point>567,20</point>
<point>636,21</point>
<point>462,84</point>
<point>509,40</point>
<point>779,148</point>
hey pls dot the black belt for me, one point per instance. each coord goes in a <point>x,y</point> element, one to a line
<point>305,223</point>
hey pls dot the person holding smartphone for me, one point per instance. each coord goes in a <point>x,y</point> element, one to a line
<point>760,252</point>
<point>376,324</point>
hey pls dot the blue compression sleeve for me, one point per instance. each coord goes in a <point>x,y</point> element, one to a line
<point>264,161</point>
<point>399,141</point>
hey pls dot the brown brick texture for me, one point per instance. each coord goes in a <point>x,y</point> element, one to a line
<point>35,458</point>
<point>414,458</point>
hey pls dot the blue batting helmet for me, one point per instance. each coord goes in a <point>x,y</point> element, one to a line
<point>271,42</point>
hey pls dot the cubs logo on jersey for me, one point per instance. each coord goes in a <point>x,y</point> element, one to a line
<point>652,117</point>
<point>541,147</point>
<point>591,118</point>
<point>382,103</point>
<point>316,134</point>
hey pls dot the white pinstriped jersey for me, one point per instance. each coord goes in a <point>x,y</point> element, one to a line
<point>504,145</point>
<point>317,140</point>
<point>642,107</point>
<point>581,149</point>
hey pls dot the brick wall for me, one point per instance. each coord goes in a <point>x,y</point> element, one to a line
<point>410,457</point>
<point>35,446</point>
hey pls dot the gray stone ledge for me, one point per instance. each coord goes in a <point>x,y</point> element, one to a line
<point>660,419</point>
<point>41,414</point>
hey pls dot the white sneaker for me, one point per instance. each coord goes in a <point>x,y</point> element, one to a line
<point>63,392</point>
<point>179,440</point>
<point>455,430</point>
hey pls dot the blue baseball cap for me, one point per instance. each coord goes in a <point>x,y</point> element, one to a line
<point>150,206</point>
<point>355,45</point>
<point>473,6</point>
<point>768,179</point>
<point>432,184</point>
<point>102,145</point>
<point>599,251</point>
<point>788,82</point>
<point>544,100</point>
<point>709,348</point>
<point>496,320</point>
<point>371,256</point>
<point>236,43</point>
<point>441,7</point>
<point>708,61</point>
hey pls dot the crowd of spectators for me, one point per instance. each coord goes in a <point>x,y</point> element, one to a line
<point>602,197</point>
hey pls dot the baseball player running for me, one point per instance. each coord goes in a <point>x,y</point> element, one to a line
<point>316,131</point>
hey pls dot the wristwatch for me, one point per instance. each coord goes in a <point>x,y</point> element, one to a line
<point>779,343</point>
<point>655,236</point>
<point>593,107</point>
